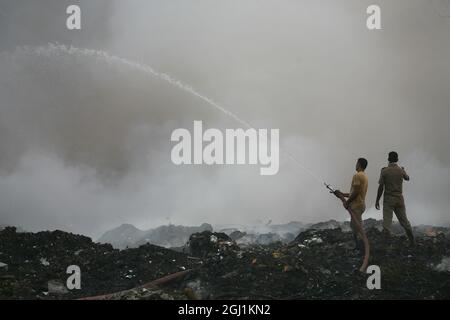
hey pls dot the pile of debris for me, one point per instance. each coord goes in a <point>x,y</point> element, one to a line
<point>317,264</point>
<point>211,245</point>
<point>36,265</point>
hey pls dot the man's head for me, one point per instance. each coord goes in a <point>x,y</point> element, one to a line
<point>393,156</point>
<point>361,164</point>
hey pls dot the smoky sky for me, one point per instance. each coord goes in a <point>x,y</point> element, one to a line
<point>85,137</point>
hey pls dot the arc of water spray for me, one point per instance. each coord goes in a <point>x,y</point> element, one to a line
<point>53,49</point>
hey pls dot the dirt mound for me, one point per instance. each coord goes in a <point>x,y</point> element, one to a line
<point>34,259</point>
<point>323,264</point>
<point>317,264</point>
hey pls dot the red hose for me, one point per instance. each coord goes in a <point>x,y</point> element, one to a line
<point>148,285</point>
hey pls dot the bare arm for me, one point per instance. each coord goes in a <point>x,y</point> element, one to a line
<point>379,194</point>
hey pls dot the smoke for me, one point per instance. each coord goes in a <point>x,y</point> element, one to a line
<point>85,137</point>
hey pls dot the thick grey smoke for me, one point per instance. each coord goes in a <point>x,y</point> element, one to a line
<point>85,138</point>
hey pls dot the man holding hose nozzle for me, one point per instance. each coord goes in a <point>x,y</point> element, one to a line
<point>391,182</point>
<point>356,198</point>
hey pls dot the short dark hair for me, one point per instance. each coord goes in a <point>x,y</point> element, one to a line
<point>363,163</point>
<point>393,156</point>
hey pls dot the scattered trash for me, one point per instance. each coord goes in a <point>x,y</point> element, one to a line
<point>32,262</point>
<point>3,266</point>
<point>56,287</point>
<point>44,262</point>
<point>208,243</point>
<point>276,255</point>
<point>444,266</point>
<point>325,271</point>
<point>195,291</point>
<point>316,264</point>
<point>287,268</point>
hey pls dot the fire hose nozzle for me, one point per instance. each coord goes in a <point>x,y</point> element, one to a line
<point>332,190</point>
<point>328,186</point>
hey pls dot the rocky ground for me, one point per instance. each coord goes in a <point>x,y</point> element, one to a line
<point>317,264</point>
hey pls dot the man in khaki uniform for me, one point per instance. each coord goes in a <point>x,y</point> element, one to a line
<point>357,196</point>
<point>391,182</point>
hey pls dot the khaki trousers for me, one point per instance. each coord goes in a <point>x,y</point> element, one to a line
<point>395,205</point>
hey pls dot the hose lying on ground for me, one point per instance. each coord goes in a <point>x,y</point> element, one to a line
<point>148,285</point>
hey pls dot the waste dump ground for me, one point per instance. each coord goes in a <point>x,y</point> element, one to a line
<point>317,264</point>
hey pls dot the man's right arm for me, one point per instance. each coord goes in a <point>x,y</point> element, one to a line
<point>405,175</point>
<point>380,190</point>
<point>379,194</point>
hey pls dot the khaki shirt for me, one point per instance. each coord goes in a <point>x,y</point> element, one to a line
<point>392,178</point>
<point>359,179</point>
